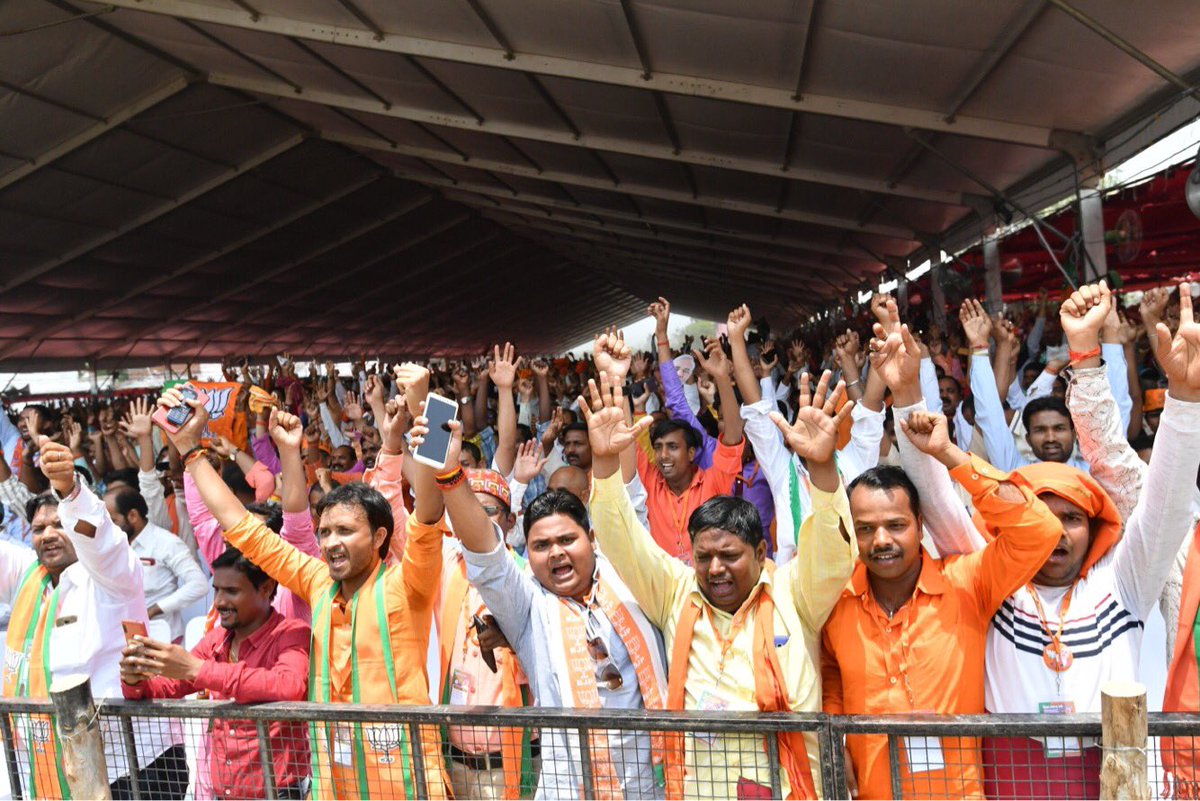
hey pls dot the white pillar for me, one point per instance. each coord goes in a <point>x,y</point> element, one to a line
<point>991,277</point>
<point>1091,214</point>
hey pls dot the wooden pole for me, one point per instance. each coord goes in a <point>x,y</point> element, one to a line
<point>78,724</point>
<point>1123,773</point>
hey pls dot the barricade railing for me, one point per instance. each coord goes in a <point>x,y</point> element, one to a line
<point>727,754</point>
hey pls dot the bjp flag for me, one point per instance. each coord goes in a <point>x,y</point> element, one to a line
<point>224,418</point>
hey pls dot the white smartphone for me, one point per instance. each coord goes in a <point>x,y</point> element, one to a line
<point>436,447</point>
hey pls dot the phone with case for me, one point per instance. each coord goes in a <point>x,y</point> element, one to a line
<point>171,420</point>
<point>439,411</point>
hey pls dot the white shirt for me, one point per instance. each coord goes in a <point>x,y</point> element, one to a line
<point>172,577</point>
<point>95,594</point>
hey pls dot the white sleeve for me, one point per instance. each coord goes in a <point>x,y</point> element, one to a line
<point>866,433</point>
<point>336,437</point>
<point>107,554</point>
<point>1118,379</point>
<point>156,499</point>
<point>14,561</point>
<point>989,416</point>
<point>1162,518</point>
<point>775,462</point>
<point>929,385</point>
<point>946,519</point>
<point>639,498</point>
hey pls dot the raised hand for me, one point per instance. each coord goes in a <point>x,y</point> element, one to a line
<point>897,357</point>
<point>420,430</point>
<point>660,310</point>
<point>1154,305</point>
<point>137,419</point>
<point>1005,333</point>
<point>462,381</point>
<point>1083,314</point>
<point>640,365</point>
<point>611,354</point>
<point>393,425</point>
<point>928,431</point>
<point>57,463</point>
<point>976,323</point>
<point>603,408</point>
<point>846,348</point>
<point>738,322</point>
<point>414,383</point>
<point>886,312</point>
<point>713,359</point>
<point>285,429</point>
<point>768,358</point>
<point>352,408</point>
<point>540,367</point>
<point>373,390</point>
<point>503,369</point>
<point>224,446</point>
<point>706,388</point>
<point>72,433</point>
<point>813,435</point>
<point>529,463</point>
<point>189,434</point>
<point>1179,356</point>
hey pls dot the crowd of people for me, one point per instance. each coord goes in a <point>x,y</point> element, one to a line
<point>876,515</point>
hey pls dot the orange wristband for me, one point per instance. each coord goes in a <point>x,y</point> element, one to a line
<point>1076,357</point>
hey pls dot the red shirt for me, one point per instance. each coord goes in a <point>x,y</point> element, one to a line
<point>272,666</point>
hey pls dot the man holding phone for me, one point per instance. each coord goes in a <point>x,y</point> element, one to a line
<point>371,652</point>
<point>478,668</point>
<point>69,596</point>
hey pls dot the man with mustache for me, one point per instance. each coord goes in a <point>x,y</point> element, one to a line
<point>742,634</point>
<point>909,632</point>
<point>371,620</point>
<point>582,639</point>
<point>256,655</point>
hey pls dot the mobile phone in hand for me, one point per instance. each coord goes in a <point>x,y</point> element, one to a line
<point>171,420</point>
<point>436,447</point>
<point>133,628</point>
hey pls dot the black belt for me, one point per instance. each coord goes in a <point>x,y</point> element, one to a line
<point>492,761</point>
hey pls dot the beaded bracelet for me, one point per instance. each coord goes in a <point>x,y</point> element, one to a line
<point>194,454</point>
<point>450,479</point>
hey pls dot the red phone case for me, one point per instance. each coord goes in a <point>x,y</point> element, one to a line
<point>160,414</point>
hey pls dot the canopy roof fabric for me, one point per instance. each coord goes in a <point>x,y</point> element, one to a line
<point>183,179</point>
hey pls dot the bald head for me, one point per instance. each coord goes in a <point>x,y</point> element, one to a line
<point>572,479</point>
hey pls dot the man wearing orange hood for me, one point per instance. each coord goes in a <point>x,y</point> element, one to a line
<point>1078,624</point>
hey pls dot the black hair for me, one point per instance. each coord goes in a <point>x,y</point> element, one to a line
<point>129,476</point>
<point>37,502</point>
<point>271,513</point>
<point>1142,441</point>
<point>888,477</point>
<point>127,500</point>
<point>370,501</point>
<point>1046,403</point>
<point>736,515</point>
<point>232,557</point>
<point>664,427</point>
<point>957,383</point>
<point>235,479</point>
<point>578,425</point>
<point>556,502</point>
<point>475,452</point>
<point>524,433</point>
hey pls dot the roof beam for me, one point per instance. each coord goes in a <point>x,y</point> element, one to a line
<point>637,190</point>
<point>517,218</point>
<point>632,77</point>
<point>576,138</point>
<point>1013,30</point>
<point>95,130</point>
<point>356,233</point>
<point>464,192</point>
<point>33,271</point>
<point>177,272</point>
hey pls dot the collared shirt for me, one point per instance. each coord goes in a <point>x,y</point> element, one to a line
<point>669,513</point>
<point>525,610</point>
<point>929,656</point>
<point>804,591</point>
<point>410,591</point>
<point>95,594</point>
<point>171,577</point>
<point>272,665</point>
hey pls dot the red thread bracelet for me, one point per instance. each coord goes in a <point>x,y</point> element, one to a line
<point>1076,357</point>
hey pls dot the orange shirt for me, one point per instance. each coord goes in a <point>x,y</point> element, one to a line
<point>410,592</point>
<point>929,657</point>
<point>669,513</point>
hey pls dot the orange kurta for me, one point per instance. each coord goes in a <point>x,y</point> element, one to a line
<point>929,657</point>
<point>410,591</point>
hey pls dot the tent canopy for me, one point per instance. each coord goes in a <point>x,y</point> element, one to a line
<point>184,180</point>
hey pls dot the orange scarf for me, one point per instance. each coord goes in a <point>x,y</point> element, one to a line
<point>512,741</point>
<point>27,675</point>
<point>1183,682</point>
<point>581,674</point>
<point>770,690</point>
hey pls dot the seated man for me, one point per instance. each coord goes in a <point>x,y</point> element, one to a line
<point>742,634</point>
<point>361,653</point>
<point>172,579</point>
<point>568,602</point>
<point>69,596</point>
<point>256,655</point>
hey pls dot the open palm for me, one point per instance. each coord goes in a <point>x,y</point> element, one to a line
<point>609,430</point>
<point>813,434</point>
<point>1180,355</point>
